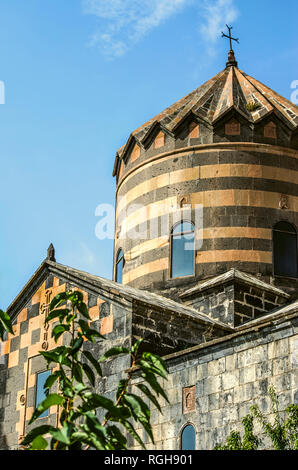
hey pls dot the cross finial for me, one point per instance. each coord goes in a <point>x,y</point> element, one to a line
<point>231,58</point>
<point>51,253</point>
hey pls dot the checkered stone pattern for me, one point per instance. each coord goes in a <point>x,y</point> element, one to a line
<point>20,361</point>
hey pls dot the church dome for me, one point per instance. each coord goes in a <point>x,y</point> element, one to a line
<point>229,149</point>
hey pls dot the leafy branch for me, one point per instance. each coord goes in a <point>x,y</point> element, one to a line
<point>5,324</point>
<point>79,427</point>
<point>283,432</point>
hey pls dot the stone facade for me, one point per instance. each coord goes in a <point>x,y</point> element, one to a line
<point>229,375</point>
<point>216,369</point>
<point>228,331</point>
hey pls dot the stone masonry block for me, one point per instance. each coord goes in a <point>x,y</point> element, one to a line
<point>213,384</point>
<point>248,374</point>
<point>202,371</point>
<point>217,367</point>
<point>231,362</point>
<point>214,401</point>
<point>243,393</point>
<point>281,365</point>
<point>230,380</point>
<point>278,348</point>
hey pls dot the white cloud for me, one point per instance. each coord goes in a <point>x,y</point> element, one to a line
<point>217,13</point>
<point>122,23</point>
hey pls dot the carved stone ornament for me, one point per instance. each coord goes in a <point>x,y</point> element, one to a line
<point>45,346</point>
<point>270,130</point>
<point>189,399</point>
<point>284,202</point>
<point>232,127</point>
<point>184,200</point>
<point>22,400</point>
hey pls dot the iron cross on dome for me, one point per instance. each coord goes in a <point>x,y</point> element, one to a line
<point>230,36</point>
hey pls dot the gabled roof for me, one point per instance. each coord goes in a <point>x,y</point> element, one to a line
<point>99,285</point>
<point>234,274</point>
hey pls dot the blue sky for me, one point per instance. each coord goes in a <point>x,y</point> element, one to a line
<point>79,76</point>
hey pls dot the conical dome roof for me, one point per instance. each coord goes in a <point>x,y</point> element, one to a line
<point>229,89</point>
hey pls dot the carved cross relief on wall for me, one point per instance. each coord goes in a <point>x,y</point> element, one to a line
<point>44,310</point>
<point>189,399</point>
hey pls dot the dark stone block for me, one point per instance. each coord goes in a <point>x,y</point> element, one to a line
<point>259,313</point>
<point>49,281</point>
<point>105,310</point>
<point>239,295</point>
<point>15,343</point>
<point>238,320</point>
<point>92,300</point>
<point>35,336</point>
<point>268,306</point>
<point>254,301</point>
<point>33,311</point>
<point>23,356</point>
<point>270,297</point>
<point>244,310</point>
<point>24,327</point>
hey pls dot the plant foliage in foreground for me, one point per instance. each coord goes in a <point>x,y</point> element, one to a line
<point>283,432</point>
<point>5,324</point>
<point>79,427</point>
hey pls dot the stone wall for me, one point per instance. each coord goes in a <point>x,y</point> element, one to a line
<point>234,302</point>
<point>229,376</point>
<point>20,361</point>
<point>166,332</point>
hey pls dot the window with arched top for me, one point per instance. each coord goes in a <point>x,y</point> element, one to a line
<point>285,259</point>
<point>119,266</point>
<point>188,438</point>
<point>182,250</point>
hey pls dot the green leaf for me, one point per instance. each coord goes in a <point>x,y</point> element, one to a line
<point>39,443</point>
<point>77,346</point>
<point>136,346</point>
<point>93,361</point>
<point>51,400</point>
<point>5,324</point>
<point>58,330</point>
<point>79,388</point>
<point>152,381</point>
<point>59,313</point>
<point>82,308</point>
<point>90,374</point>
<point>58,300</point>
<point>84,325</point>
<point>140,412</point>
<point>63,434</point>
<point>116,438</point>
<point>40,431</point>
<point>78,372</point>
<point>75,297</point>
<point>129,427</point>
<point>149,366</point>
<point>98,401</point>
<point>121,387</point>
<point>51,379</point>
<point>58,355</point>
<point>149,395</point>
<point>157,362</point>
<point>114,352</point>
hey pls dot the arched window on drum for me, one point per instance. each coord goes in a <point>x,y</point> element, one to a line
<point>183,250</point>
<point>285,260</point>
